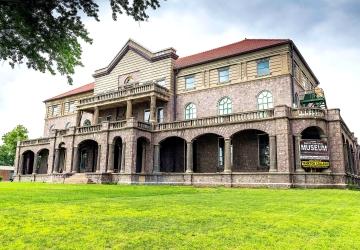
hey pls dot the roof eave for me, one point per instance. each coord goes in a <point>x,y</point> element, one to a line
<point>237,54</point>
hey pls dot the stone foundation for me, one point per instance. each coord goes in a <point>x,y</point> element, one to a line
<point>249,179</point>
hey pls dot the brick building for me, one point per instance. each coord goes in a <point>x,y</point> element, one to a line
<point>246,114</point>
<point>6,173</point>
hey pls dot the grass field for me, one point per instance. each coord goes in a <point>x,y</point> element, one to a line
<point>45,216</point>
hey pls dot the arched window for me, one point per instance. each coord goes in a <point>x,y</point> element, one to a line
<point>225,106</point>
<point>52,127</point>
<point>128,80</point>
<point>190,111</point>
<point>68,124</point>
<point>87,123</point>
<point>265,100</point>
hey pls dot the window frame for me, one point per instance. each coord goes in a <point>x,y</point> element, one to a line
<point>227,104</point>
<point>158,118</point>
<point>263,103</point>
<point>57,106</point>
<point>190,115</point>
<point>193,83</point>
<point>228,74</point>
<point>146,111</point>
<point>258,70</point>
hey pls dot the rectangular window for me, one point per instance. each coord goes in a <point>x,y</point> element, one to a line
<point>108,118</point>
<point>147,115</point>
<point>70,107</point>
<point>223,75</point>
<point>55,110</point>
<point>189,82</point>
<point>263,68</point>
<point>160,115</point>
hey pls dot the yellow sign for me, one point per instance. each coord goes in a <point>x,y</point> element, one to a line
<point>315,164</point>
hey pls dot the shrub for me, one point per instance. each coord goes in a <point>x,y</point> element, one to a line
<point>0,178</point>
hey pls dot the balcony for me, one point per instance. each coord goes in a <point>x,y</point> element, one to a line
<point>308,113</point>
<point>258,115</point>
<point>39,141</point>
<point>132,91</point>
<point>217,120</point>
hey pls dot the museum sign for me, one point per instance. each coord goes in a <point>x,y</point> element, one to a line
<point>314,153</point>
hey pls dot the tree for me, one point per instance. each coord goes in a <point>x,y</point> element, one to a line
<point>8,148</point>
<point>45,34</point>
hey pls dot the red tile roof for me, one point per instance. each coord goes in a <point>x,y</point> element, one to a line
<point>85,88</point>
<point>237,48</point>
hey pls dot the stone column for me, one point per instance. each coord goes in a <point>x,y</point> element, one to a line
<point>128,109</point>
<point>17,158</point>
<point>273,161</point>
<point>76,160</point>
<point>143,156</point>
<point>298,167</point>
<point>35,164</point>
<point>21,163</point>
<point>122,167</point>
<point>227,155</point>
<point>325,138</point>
<point>56,161</point>
<point>98,159</point>
<point>78,118</point>
<point>189,157</point>
<point>156,158</point>
<point>111,158</point>
<point>96,115</point>
<point>153,109</point>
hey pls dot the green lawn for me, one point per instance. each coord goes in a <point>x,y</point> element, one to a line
<point>43,216</point>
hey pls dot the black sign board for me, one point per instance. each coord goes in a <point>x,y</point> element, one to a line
<point>314,153</point>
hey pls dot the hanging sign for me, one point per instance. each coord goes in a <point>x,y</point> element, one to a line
<point>314,153</point>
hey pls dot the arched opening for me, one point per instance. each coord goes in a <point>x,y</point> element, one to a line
<point>42,161</point>
<point>172,155</point>
<point>312,133</point>
<point>208,153</point>
<point>118,151</point>
<point>27,162</point>
<point>62,158</point>
<point>142,149</point>
<point>251,151</point>
<point>88,153</point>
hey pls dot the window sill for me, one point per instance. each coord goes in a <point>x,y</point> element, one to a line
<point>225,82</point>
<point>263,76</point>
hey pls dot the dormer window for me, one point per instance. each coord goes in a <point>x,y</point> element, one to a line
<point>263,68</point>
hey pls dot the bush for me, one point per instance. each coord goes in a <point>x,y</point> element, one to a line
<point>0,178</point>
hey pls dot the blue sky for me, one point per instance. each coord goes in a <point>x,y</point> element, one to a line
<point>326,32</point>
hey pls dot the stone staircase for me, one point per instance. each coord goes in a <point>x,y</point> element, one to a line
<point>77,178</point>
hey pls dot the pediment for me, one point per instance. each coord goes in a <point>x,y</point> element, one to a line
<point>141,51</point>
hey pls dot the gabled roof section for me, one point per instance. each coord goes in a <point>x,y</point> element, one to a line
<point>83,89</point>
<point>244,46</point>
<point>140,50</point>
